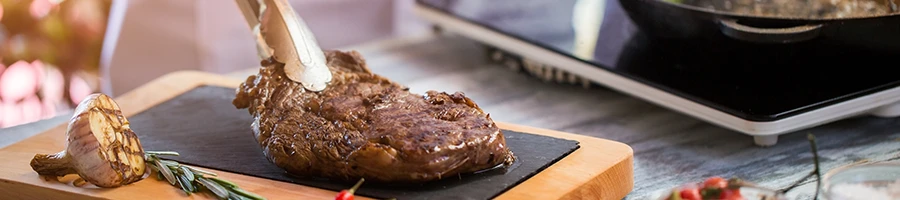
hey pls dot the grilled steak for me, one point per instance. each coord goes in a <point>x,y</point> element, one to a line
<point>366,126</point>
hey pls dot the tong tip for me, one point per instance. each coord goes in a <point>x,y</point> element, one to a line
<point>313,77</point>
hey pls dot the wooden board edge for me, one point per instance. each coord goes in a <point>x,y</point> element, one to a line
<point>614,181</point>
<point>580,187</point>
<point>150,188</point>
<point>173,84</point>
<point>15,190</point>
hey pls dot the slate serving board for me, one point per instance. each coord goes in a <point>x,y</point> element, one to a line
<point>209,131</point>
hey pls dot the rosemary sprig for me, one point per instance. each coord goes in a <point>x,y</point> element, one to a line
<point>815,172</point>
<point>818,171</point>
<point>797,183</point>
<point>191,180</point>
<point>162,153</point>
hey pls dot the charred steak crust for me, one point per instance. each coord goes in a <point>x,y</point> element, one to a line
<point>366,126</point>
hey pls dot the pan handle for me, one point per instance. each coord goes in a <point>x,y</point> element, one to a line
<point>732,29</point>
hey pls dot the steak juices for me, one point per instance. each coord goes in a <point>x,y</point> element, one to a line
<point>366,126</point>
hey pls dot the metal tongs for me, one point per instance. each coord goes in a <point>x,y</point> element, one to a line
<point>284,36</point>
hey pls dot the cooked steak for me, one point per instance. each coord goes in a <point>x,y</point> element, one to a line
<point>366,126</point>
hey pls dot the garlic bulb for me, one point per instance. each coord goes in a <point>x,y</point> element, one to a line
<point>102,149</point>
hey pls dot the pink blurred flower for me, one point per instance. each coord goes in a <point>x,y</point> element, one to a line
<point>11,114</point>
<point>31,109</point>
<point>49,109</point>
<point>1,11</point>
<point>52,92</point>
<point>52,89</point>
<point>40,72</point>
<point>17,82</point>
<point>78,89</point>
<point>40,8</point>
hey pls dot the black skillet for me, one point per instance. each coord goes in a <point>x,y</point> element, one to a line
<point>777,24</point>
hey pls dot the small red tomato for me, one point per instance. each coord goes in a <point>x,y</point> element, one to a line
<point>731,195</point>
<point>715,182</point>
<point>736,192</point>
<point>691,194</point>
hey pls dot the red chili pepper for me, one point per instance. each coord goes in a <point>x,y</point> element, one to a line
<point>348,194</point>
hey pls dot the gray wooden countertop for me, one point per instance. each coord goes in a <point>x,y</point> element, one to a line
<point>670,148</point>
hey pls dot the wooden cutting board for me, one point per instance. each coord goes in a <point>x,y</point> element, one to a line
<point>599,169</point>
<point>204,126</point>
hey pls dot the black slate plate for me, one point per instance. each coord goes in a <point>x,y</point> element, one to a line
<point>208,131</point>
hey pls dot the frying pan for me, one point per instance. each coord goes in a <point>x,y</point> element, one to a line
<point>876,25</point>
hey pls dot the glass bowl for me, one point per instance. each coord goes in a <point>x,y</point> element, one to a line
<point>873,181</point>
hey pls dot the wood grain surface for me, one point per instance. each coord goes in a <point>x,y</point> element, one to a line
<point>600,169</point>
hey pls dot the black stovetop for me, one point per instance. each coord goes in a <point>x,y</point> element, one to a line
<point>751,81</point>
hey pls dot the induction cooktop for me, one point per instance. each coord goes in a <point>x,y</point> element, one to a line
<point>761,90</point>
